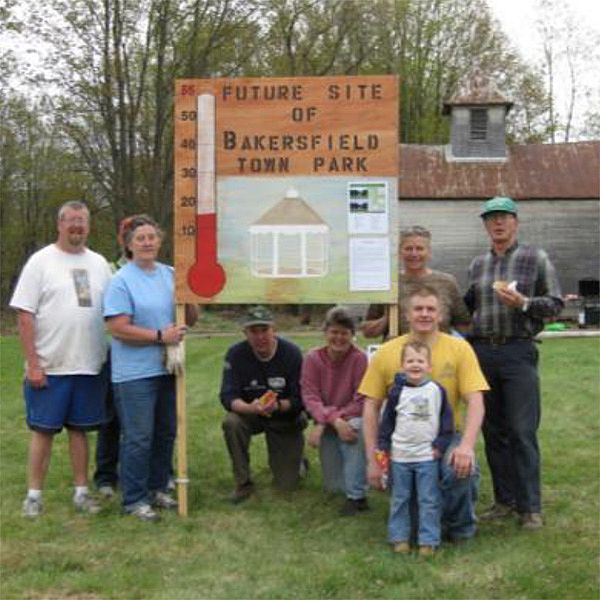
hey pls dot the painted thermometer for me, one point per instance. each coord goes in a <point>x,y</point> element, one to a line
<point>206,277</point>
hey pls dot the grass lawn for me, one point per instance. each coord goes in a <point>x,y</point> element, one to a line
<point>278,546</point>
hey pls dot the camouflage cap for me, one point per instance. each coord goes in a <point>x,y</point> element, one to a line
<point>257,315</point>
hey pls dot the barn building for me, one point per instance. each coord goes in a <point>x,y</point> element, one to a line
<point>557,187</point>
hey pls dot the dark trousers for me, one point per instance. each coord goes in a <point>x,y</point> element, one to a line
<point>107,442</point>
<point>107,449</point>
<point>512,418</point>
<point>285,445</point>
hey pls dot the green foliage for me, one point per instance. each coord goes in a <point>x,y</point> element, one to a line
<point>295,546</point>
<point>105,132</point>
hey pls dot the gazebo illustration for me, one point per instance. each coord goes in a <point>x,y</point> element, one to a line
<point>289,240</point>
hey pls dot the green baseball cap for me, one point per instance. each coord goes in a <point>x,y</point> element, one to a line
<point>257,315</point>
<point>500,204</point>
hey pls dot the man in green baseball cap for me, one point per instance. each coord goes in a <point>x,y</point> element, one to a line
<point>512,288</point>
<point>500,204</point>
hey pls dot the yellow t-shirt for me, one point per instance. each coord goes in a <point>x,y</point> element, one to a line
<point>454,366</point>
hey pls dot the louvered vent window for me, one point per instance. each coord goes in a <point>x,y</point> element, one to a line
<point>479,124</point>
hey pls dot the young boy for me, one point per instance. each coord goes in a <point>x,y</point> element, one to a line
<point>416,426</point>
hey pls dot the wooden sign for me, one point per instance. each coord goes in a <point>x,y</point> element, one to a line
<point>285,189</point>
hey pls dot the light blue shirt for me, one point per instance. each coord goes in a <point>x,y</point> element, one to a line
<point>148,298</point>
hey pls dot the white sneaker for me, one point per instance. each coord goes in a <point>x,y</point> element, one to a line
<point>144,512</point>
<point>163,500</point>
<point>106,491</point>
<point>85,503</point>
<point>32,507</point>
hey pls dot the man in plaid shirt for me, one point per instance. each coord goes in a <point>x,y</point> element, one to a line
<point>512,288</point>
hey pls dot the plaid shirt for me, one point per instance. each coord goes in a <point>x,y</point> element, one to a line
<point>536,278</point>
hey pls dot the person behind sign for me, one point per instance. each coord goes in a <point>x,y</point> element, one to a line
<point>58,299</point>
<point>416,429</point>
<point>260,390</point>
<point>506,317</point>
<point>330,378</point>
<point>140,312</point>
<point>415,254</point>
<point>455,367</point>
<point>107,441</point>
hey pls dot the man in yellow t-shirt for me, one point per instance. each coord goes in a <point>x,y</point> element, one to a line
<point>455,367</point>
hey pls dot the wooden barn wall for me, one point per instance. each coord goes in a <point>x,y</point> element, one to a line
<point>567,229</point>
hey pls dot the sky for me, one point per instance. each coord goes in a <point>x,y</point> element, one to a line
<point>518,21</point>
<point>518,17</point>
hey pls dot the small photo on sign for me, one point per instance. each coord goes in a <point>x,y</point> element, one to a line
<point>368,207</point>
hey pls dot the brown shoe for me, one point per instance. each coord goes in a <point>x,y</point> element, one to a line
<point>497,511</point>
<point>353,506</point>
<point>241,493</point>
<point>401,548</point>
<point>426,551</point>
<point>531,521</point>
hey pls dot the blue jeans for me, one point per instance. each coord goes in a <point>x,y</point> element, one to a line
<point>425,478</point>
<point>343,465</point>
<point>459,497</point>
<point>146,409</point>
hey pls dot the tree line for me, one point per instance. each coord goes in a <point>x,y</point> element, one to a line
<point>95,122</point>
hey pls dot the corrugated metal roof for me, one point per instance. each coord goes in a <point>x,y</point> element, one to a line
<point>290,211</point>
<point>543,171</point>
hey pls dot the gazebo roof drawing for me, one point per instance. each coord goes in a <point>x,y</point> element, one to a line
<point>292,210</point>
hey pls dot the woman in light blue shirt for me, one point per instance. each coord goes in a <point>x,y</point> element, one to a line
<point>139,309</point>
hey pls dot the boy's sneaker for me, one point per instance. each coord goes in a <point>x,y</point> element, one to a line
<point>165,501</point>
<point>106,491</point>
<point>426,551</point>
<point>32,507</point>
<point>401,548</point>
<point>85,503</point>
<point>144,512</point>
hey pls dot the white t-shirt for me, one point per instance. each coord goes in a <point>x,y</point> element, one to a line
<point>417,422</point>
<point>64,293</point>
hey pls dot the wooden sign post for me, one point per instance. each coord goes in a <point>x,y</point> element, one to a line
<point>285,190</point>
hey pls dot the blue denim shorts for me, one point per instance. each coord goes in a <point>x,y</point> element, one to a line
<point>72,401</point>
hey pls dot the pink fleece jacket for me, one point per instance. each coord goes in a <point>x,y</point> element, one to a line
<point>329,389</point>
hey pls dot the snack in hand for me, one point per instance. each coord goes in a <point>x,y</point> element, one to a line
<point>504,285</point>
<point>268,398</point>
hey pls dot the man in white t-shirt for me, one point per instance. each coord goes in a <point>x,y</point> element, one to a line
<point>58,300</point>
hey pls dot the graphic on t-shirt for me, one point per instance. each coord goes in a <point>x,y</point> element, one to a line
<point>276,383</point>
<point>82,287</point>
<point>419,409</point>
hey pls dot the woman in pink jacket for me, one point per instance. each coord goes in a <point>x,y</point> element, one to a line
<point>330,379</point>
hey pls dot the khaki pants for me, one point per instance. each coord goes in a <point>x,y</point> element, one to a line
<point>285,445</point>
